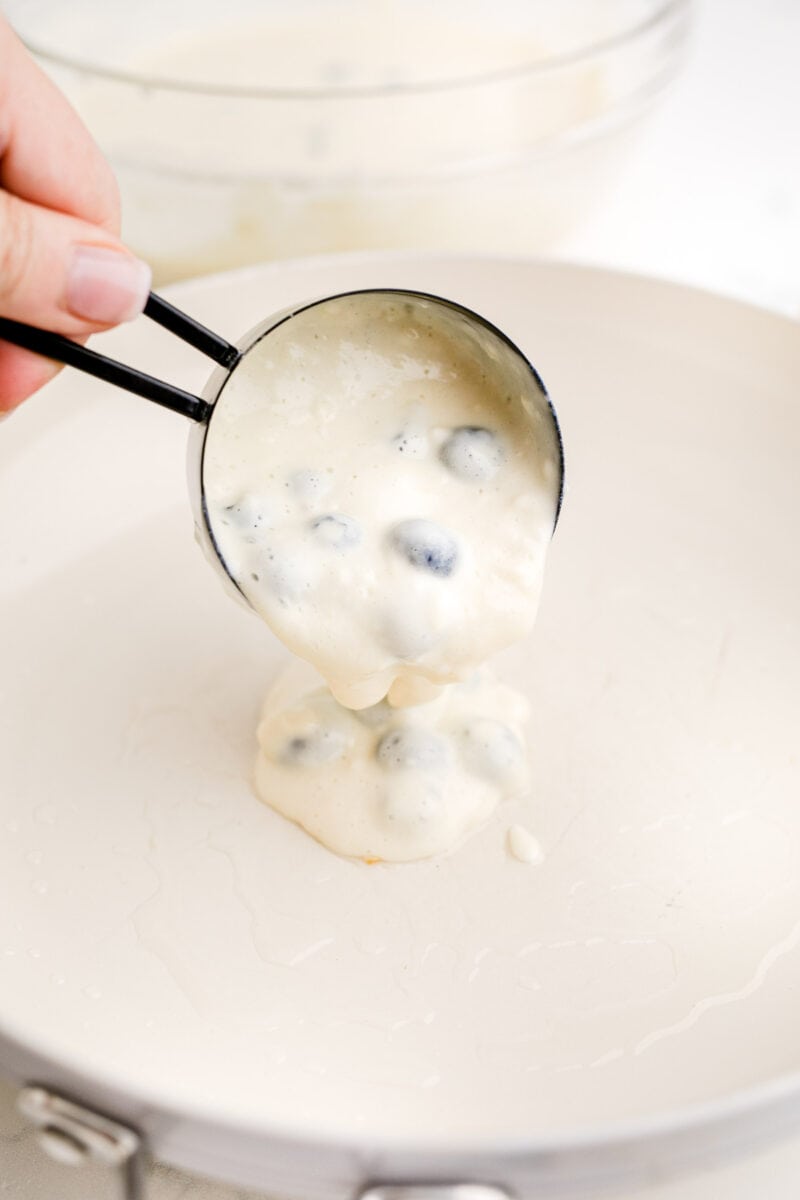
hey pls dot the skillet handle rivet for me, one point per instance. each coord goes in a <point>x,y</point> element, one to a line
<point>75,1135</point>
<point>62,1146</point>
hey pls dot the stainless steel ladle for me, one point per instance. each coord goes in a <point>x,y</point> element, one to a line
<point>499,350</point>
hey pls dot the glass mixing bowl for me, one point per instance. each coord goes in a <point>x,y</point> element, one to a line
<point>271,128</point>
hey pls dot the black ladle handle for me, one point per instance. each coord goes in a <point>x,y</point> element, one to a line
<point>191,331</point>
<point>53,345</point>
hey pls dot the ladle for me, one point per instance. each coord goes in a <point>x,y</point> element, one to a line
<point>500,350</point>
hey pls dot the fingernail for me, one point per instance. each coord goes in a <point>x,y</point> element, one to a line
<point>106,286</point>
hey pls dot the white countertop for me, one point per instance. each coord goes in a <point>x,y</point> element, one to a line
<point>712,198</point>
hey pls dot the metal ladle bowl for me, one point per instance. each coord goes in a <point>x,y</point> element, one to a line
<point>495,347</point>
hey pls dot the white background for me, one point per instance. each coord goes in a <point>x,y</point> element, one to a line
<point>713,195</point>
<point>712,198</point>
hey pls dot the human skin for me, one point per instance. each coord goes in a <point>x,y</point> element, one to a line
<point>62,264</point>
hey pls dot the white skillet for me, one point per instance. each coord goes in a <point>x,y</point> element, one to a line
<point>178,957</point>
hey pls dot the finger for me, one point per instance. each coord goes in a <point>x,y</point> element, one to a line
<point>21,374</point>
<point>47,155</point>
<point>63,274</point>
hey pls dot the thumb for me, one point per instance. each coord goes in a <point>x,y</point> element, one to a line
<point>64,274</point>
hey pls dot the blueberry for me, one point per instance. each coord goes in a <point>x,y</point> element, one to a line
<point>490,748</point>
<point>337,530</point>
<point>407,635</point>
<point>250,515</point>
<point>313,748</point>
<point>426,545</point>
<point>473,453</point>
<point>412,749</point>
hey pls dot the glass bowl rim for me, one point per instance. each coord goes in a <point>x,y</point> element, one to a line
<point>661,15</point>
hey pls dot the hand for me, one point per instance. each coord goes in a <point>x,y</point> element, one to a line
<point>62,265</point>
